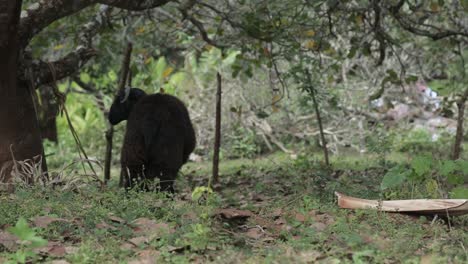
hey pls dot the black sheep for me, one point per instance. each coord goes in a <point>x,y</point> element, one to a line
<point>158,140</point>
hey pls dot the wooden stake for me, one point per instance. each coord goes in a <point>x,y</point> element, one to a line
<point>124,70</point>
<point>217,141</point>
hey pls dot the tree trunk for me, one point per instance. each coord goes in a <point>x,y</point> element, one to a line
<point>322,135</point>
<point>20,137</point>
<point>312,91</point>
<point>457,147</point>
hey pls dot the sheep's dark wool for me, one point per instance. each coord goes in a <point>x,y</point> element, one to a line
<point>158,140</point>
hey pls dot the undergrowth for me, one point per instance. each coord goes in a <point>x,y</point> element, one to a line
<point>276,210</point>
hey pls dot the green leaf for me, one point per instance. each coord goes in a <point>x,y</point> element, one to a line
<point>112,75</point>
<point>432,188</point>
<point>352,52</point>
<point>463,166</point>
<point>464,3</point>
<point>366,49</point>
<point>231,58</point>
<point>25,233</point>
<point>394,177</point>
<point>21,229</point>
<point>198,192</point>
<point>459,193</point>
<point>455,179</point>
<point>85,77</point>
<point>411,79</point>
<point>447,167</point>
<point>159,69</point>
<point>421,165</point>
<point>177,78</point>
<point>392,74</point>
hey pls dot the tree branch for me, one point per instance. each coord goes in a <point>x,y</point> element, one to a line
<point>41,14</point>
<point>96,93</point>
<point>47,72</point>
<point>415,28</point>
<point>38,72</point>
<point>184,10</point>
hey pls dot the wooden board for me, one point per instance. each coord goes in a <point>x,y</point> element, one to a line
<point>442,207</point>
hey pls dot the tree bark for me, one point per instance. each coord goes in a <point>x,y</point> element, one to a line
<point>20,137</point>
<point>457,147</point>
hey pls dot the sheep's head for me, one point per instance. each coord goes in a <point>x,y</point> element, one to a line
<point>123,104</point>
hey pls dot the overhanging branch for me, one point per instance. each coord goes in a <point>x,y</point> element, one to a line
<point>38,72</point>
<point>47,72</point>
<point>42,13</point>
<point>436,33</point>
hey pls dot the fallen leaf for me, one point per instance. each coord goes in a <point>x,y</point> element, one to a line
<point>127,246</point>
<point>8,241</point>
<point>427,259</point>
<point>190,216</point>
<point>147,256</point>
<point>300,217</point>
<point>57,251</point>
<point>311,256</point>
<point>267,224</point>
<point>104,225</point>
<point>212,248</point>
<point>268,239</point>
<point>53,249</point>
<point>44,221</point>
<point>149,253</point>
<point>280,221</point>
<point>259,197</point>
<point>318,226</point>
<point>231,213</point>
<point>60,261</point>
<point>254,233</point>
<point>145,226</point>
<point>116,219</point>
<point>71,249</point>
<point>313,213</point>
<point>137,241</point>
<point>175,249</point>
<point>325,218</point>
<point>147,230</point>
<point>277,213</point>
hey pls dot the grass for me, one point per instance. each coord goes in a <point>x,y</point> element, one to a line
<point>292,218</point>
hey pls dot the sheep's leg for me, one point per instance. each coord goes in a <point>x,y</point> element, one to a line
<point>167,179</point>
<point>123,177</point>
<point>132,176</point>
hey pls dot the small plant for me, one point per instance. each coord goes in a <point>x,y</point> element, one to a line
<point>28,242</point>
<point>429,177</point>
<point>243,143</point>
<point>380,141</point>
<point>198,238</point>
<point>422,141</point>
<point>201,194</point>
